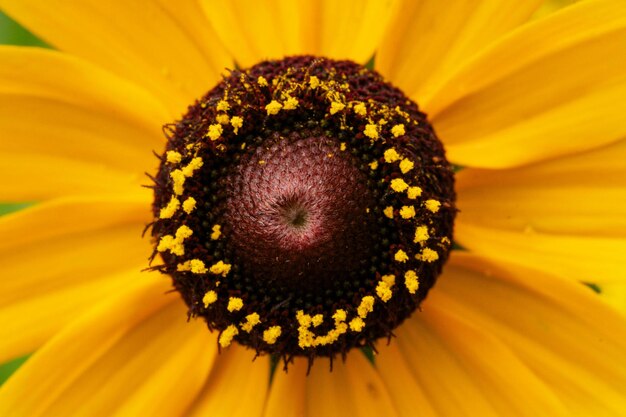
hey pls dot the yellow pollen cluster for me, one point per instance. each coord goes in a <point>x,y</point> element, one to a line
<point>262,81</point>
<point>342,146</point>
<point>175,243</point>
<point>220,268</point>
<point>173,157</point>
<point>411,281</point>
<point>209,298</point>
<point>251,321</point>
<point>336,106</point>
<point>407,212</point>
<point>371,131</point>
<point>216,232</point>
<point>171,208</point>
<point>357,324</point>
<point>227,336</point>
<point>234,304</point>
<point>314,82</point>
<point>427,255</point>
<point>195,265</point>
<point>290,104</point>
<point>360,109</point>
<point>179,176</point>
<point>189,205</point>
<point>215,131</point>
<point>383,289</point>
<point>388,211</point>
<point>421,234</point>
<point>373,165</point>
<point>401,256</point>
<point>366,306</point>
<point>399,185</point>
<point>223,105</point>
<point>391,155</point>
<point>236,122</point>
<point>432,205</point>
<point>398,130</point>
<point>272,334</point>
<point>222,119</point>
<point>273,108</point>
<point>406,165</point>
<point>306,338</point>
<point>413,192</point>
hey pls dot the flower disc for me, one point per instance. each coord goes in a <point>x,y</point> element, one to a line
<point>303,207</point>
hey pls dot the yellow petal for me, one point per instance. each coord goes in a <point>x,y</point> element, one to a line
<point>132,355</point>
<point>61,257</point>
<point>236,387</point>
<point>553,87</point>
<point>428,39</point>
<point>56,107</point>
<point>33,177</point>
<point>561,330</point>
<point>254,30</point>
<point>565,216</point>
<point>614,293</point>
<point>352,388</point>
<point>462,369</point>
<point>166,47</point>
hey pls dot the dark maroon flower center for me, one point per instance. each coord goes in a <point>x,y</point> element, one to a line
<point>303,207</point>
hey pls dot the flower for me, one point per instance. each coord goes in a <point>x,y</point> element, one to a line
<point>531,109</point>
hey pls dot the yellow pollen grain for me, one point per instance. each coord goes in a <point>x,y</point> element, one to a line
<point>314,82</point>
<point>189,205</point>
<point>209,298</point>
<point>391,156</point>
<point>168,211</point>
<point>273,108</point>
<point>262,162</point>
<point>371,131</point>
<point>336,106</point>
<point>399,185</point>
<point>236,122</point>
<point>178,179</point>
<point>173,157</point>
<point>272,334</point>
<point>432,205</point>
<point>383,291</point>
<point>251,321</point>
<point>220,268</point>
<point>411,282</point>
<point>215,131</point>
<point>317,319</point>
<point>413,192</point>
<point>340,316</point>
<point>195,265</point>
<point>366,306</point>
<point>357,324</point>
<point>427,255</point>
<point>421,234</point>
<point>390,279</point>
<point>304,320</point>
<point>262,81</point>
<point>388,211</point>
<point>222,119</point>
<point>234,304</point>
<point>401,256</point>
<point>360,109</point>
<point>195,164</point>
<point>407,212</point>
<point>374,165</point>
<point>223,105</point>
<point>227,336</point>
<point>216,232</point>
<point>342,146</point>
<point>290,104</point>
<point>406,165</point>
<point>398,130</point>
<point>165,243</point>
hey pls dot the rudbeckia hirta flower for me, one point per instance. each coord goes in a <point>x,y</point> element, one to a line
<point>301,214</point>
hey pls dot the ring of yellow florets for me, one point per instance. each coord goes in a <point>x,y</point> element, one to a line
<point>365,121</point>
